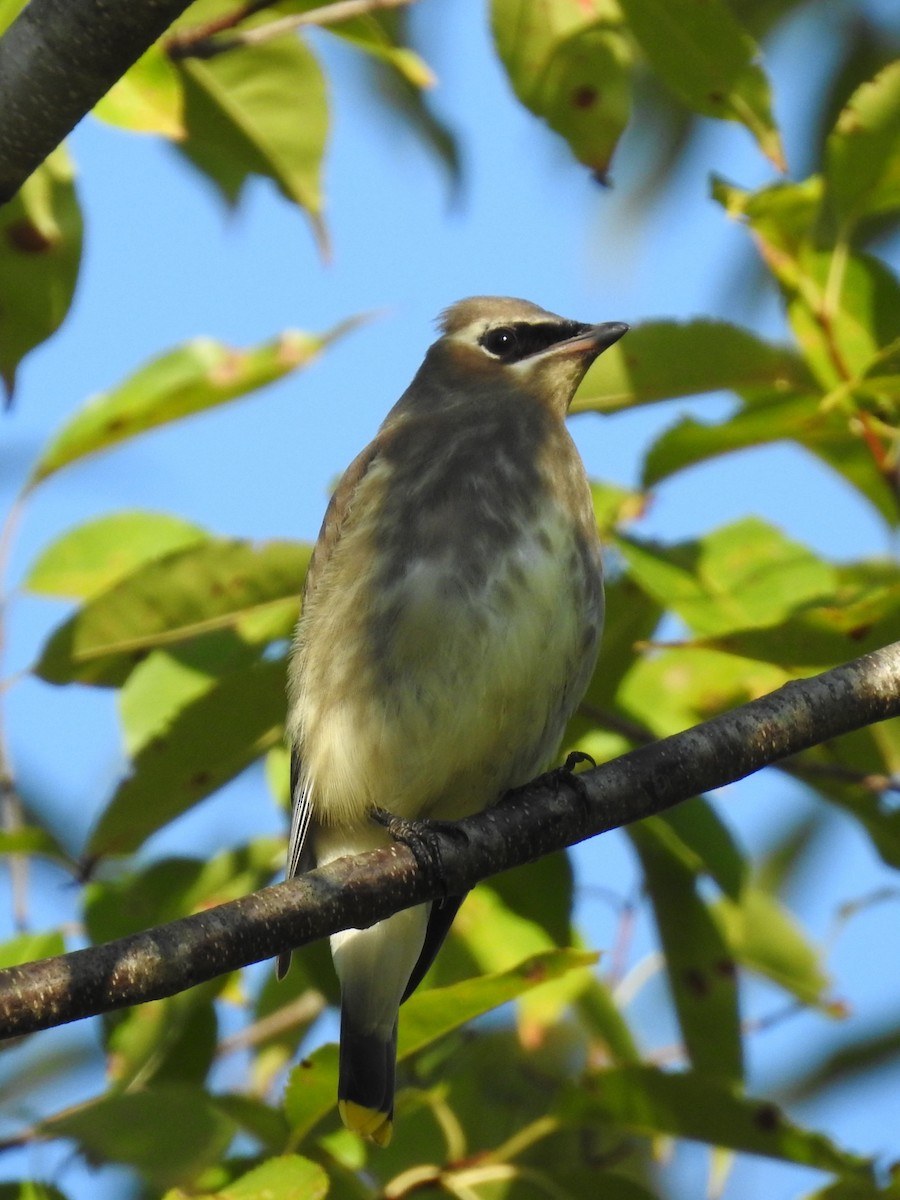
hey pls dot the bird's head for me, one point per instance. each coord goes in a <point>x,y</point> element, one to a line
<point>497,342</point>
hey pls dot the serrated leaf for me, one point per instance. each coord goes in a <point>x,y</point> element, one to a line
<point>203,589</point>
<point>170,1134</point>
<point>40,253</point>
<point>660,360</point>
<point>194,377</point>
<point>211,741</point>
<point>260,111</point>
<point>741,575</point>
<point>705,58</point>
<point>689,1105</point>
<point>570,64</point>
<point>862,154</point>
<point>148,98</point>
<point>699,964</point>
<point>92,557</point>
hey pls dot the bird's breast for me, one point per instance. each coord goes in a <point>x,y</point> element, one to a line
<point>454,631</point>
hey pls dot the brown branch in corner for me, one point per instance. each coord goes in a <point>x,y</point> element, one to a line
<point>550,813</point>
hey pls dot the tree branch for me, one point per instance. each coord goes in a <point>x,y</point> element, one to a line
<point>56,60</point>
<point>549,814</point>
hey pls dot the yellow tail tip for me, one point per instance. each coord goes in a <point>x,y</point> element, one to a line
<point>369,1122</point>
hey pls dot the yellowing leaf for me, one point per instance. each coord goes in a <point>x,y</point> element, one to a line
<point>197,376</point>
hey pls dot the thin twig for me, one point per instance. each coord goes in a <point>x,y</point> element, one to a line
<point>190,45</point>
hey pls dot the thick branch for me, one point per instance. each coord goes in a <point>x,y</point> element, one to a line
<point>56,60</point>
<point>549,814</point>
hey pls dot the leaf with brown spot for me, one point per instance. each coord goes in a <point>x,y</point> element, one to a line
<point>194,377</point>
<point>40,253</point>
<point>690,1105</point>
<point>569,63</point>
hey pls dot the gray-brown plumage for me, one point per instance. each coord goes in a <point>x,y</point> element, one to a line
<point>450,625</point>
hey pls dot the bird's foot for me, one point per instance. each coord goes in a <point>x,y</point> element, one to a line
<point>422,836</point>
<point>566,774</point>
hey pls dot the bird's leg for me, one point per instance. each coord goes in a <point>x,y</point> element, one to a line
<point>422,836</point>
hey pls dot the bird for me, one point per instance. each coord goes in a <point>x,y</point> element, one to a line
<point>450,624</point>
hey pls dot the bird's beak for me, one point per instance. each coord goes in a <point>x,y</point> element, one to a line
<point>593,339</point>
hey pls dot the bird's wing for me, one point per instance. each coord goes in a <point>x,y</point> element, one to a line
<point>338,513</point>
<point>300,853</point>
<point>300,856</point>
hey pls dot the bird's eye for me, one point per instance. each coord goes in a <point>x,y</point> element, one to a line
<point>502,342</point>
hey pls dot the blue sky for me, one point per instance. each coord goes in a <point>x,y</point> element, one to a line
<point>164,261</point>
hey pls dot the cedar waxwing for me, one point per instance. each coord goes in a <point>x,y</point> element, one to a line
<point>450,625</point>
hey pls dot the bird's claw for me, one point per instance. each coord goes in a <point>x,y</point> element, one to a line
<point>422,836</point>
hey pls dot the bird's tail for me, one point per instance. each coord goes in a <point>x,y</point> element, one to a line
<point>374,966</point>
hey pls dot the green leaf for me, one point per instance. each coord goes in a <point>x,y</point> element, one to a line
<point>169,680</point>
<point>9,10</point>
<point>288,1177</point>
<point>861,615</point>
<point>261,110</point>
<point>175,887</point>
<point>739,576</point>
<point>27,1189</point>
<point>92,557</point>
<point>429,1015</point>
<point>29,947</point>
<point>674,689</point>
<point>863,151</point>
<point>660,360</point>
<point>211,741</point>
<point>651,1102</point>
<point>699,963</point>
<point>520,914</point>
<point>764,937</point>
<point>40,252</point>
<point>168,1133</point>
<point>696,835</point>
<point>253,591</point>
<point>31,839</point>
<point>172,1040</point>
<point>196,376</point>
<point>147,99</point>
<point>709,62</point>
<point>570,64</point>
<point>773,417</point>
<point>311,1091</point>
